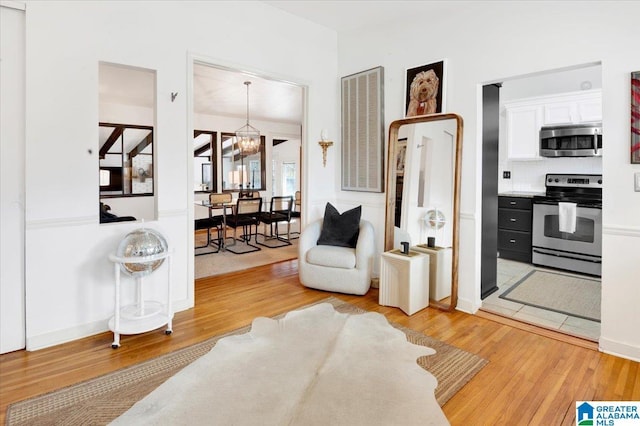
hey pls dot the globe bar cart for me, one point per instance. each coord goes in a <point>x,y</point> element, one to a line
<point>139,260</point>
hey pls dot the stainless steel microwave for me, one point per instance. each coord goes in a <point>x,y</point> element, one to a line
<point>575,140</point>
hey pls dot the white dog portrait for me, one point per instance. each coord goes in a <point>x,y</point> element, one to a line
<point>425,90</point>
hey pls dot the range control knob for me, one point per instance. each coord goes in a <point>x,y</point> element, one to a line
<point>600,181</point>
<point>550,180</point>
<point>557,180</point>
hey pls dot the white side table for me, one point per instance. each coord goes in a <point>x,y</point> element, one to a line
<point>404,280</point>
<point>143,315</point>
<point>440,270</point>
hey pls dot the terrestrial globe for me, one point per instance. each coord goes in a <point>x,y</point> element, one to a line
<point>141,243</point>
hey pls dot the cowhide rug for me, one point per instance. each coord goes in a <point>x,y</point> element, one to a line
<point>315,366</point>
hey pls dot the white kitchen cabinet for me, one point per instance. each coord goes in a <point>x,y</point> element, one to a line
<point>523,129</point>
<point>525,117</point>
<point>574,108</point>
<point>589,108</point>
<point>559,113</point>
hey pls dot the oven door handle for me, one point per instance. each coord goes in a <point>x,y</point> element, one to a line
<point>566,256</point>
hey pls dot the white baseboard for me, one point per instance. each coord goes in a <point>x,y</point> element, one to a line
<point>47,340</point>
<point>467,306</point>
<point>619,349</point>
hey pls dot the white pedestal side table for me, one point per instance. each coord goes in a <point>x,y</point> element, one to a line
<point>439,270</point>
<point>404,280</point>
<point>143,315</point>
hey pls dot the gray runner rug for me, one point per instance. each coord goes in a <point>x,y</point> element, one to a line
<point>563,293</point>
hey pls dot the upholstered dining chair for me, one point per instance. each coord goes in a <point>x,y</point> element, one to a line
<point>279,211</point>
<point>245,216</point>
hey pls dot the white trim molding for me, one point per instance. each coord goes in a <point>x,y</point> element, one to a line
<point>57,337</point>
<point>165,214</point>
<point>625,231</point>
<point>619,349</point>
<point>61,222</point>
<point>18,5</point>
<point>467,216</point>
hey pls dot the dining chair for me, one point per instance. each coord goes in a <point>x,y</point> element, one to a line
<point>295,213</point>
<point>249,193</point>
<point>279,211</point>
<point>245,216</point>
<point>216,200</point>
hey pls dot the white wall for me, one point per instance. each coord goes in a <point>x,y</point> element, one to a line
<point>69,281</point>
<point>486,42</point>
<point>12,155</point>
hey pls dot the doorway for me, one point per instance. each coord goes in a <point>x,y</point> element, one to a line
<point>221,105</point>
<point>505,175</point>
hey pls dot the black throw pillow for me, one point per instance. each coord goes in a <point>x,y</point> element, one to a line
<point>340,229</point>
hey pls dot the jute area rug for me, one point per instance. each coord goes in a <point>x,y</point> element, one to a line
<point>563,293</point>
<point>101,400</point>
<point>225,261</point>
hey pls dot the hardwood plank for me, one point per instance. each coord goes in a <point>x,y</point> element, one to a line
<point>530,374</point>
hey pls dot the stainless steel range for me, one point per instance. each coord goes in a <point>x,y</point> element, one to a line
<point>567,224</point>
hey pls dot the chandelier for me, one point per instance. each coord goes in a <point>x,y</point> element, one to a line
<point>248,137</point>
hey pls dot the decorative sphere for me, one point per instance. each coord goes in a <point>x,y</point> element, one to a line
<point>141,243</point>
<point>435,219</point>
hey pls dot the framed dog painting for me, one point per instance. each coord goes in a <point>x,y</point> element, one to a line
<point>425,89</point>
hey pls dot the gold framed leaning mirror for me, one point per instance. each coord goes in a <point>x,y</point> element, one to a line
<point>423,197</point>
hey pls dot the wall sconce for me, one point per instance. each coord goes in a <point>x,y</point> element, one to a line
<point>324,143</point>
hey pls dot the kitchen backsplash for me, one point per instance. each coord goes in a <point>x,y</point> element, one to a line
<point>528,176</point>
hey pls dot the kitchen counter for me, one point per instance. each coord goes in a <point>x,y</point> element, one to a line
<point>520,194</point>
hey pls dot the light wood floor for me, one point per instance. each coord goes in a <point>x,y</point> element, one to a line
<point>530,379</point>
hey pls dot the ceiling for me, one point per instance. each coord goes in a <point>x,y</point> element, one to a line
<point>352,15</point>
<point>216,91</point>
<point>221,92</point>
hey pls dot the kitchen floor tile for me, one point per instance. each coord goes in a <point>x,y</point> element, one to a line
<point>510,272</point>
<point>592,334</point>
<point>537,320</point>
<point>544,314</point>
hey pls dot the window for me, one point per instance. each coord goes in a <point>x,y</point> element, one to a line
<point>288,178</point>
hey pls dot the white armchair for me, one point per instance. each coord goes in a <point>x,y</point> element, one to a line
<point>337,269</point>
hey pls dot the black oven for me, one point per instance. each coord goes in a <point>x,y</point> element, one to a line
<point>578,249</point>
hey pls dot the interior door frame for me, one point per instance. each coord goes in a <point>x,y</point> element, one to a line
<point>491,227</point>
<point>192,59</point>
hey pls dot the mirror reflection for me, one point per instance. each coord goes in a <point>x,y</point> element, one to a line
<point>424,203</point>
<point>423,181</point>
<point>126,115</point>
<point>126,159</point>
<point>205,160</point>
